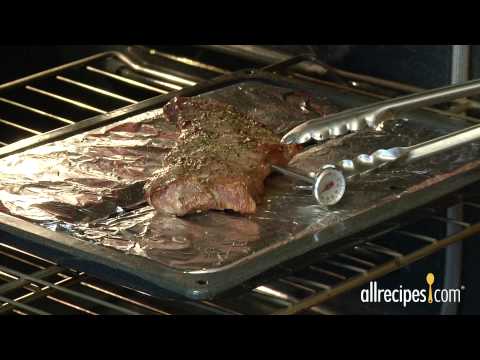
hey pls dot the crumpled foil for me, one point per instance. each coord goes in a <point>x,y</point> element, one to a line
<point>91,185</point>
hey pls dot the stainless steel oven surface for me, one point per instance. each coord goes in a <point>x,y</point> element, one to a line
<point>307,259</point>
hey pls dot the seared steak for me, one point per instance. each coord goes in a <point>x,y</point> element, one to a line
<point>278,109</point>
<point>94,175</point>
<point>220,160</point>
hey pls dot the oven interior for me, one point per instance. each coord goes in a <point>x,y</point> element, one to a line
<point>327,281</point>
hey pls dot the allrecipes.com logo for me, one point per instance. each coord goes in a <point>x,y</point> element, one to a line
<point>405,296</point>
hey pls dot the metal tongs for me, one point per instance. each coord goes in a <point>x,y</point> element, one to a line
<point>329,184</point>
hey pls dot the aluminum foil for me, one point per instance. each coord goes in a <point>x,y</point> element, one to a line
<point>91,185</point>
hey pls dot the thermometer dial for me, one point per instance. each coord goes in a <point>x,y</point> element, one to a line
<point>329,187</point>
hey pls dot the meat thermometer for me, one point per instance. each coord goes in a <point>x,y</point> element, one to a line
<point>329,185</point>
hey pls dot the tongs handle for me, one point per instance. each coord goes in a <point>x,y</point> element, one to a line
<point>397,156</point>
<point>443,143</point>
<point>373,114</point>
<point>430,97</point>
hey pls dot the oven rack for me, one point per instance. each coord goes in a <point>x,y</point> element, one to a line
<point>33,285</point>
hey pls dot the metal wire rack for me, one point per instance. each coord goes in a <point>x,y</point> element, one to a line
<point>66,94</point>
<point>33,285</point>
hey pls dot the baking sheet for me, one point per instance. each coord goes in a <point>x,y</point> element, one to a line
<point>90,185</point>
<point>214,242</point>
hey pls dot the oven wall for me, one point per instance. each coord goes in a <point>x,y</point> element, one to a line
<point>20,61</point>
<point>421,65</point>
